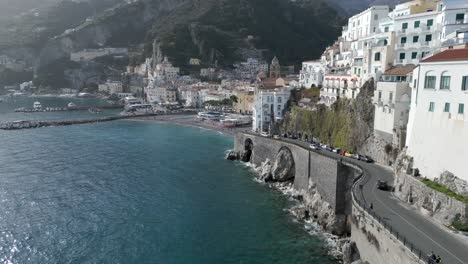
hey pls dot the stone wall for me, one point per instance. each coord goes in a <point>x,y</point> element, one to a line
<point>375,243</point>
<point>437,205</point>
<point>328,176</point>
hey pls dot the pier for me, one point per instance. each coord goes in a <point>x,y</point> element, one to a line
<point>29,124</point>
<point>65,109</point>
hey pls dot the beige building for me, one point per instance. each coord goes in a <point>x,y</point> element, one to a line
<point>245,102</point>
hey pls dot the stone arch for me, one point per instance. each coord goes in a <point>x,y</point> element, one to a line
<point>248,149</point>
<point>284,168</point>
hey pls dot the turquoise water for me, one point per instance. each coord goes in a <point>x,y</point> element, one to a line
<point>139,192</point>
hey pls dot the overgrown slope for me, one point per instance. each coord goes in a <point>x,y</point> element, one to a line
<point>347,125</point>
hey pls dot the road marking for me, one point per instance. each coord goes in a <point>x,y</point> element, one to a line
<point>420,231</point>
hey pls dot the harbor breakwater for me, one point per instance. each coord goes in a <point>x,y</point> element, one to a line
<point>325,188</point>
<point>29,124</point>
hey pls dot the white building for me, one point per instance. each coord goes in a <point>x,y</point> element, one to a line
<point>192,98</point>
<point>438,125</point>
<point>250,68</point>
<point>392,101</point>
<point>311,74</point>
<point>160,95</point>
<point>268,107</point>
<point>111,87</point>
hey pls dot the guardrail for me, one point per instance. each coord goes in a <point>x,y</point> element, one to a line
<point>362,204</point>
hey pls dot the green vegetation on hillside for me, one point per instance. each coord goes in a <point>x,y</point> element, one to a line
<point>436,186</point>
<point>346,125</point>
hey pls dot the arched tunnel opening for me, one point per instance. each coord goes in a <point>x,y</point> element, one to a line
<point>248,149</point>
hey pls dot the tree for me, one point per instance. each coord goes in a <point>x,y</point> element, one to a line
<point>234,98</point>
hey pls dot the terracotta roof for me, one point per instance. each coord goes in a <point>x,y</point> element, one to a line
<point>400,70</point>
<point>449,55</point>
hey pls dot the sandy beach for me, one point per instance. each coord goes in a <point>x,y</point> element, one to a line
<point>192,120</point>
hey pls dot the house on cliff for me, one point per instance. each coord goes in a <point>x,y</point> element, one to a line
<point>438,125</point>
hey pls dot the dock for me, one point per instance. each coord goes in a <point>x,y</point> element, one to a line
<point>65,109</point>
<point>29,124</point>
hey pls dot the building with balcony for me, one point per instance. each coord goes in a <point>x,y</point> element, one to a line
<point>268,108</point>
<point>437,115</point>
<point>417,33</point>
<point>339,85</point>
<point>311,74</point>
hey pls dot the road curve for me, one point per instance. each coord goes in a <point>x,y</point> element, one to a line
<point>423,233</point>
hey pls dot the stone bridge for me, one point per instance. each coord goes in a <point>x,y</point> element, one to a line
<point>331,178</point>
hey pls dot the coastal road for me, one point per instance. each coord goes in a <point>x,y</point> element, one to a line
<point>425,234</point>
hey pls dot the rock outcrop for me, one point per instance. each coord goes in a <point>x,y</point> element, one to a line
<point>410,189</point>
<point>350,252</point>
<point>283,168</point>
<point>454,183</point>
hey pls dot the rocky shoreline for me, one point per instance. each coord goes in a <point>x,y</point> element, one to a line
<point>309,209</point>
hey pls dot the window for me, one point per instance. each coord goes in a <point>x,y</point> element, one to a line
<point>414,55</point>
<point>415,39</point>
<point>430,22</point>
<point>459,18</point>
<point>431,106</point>
<point>444,81</point>
<point>404,26</point>
<point>416,24</point>
<point>376,17</point>
<point>377,56</point>
<point>429,82</point>
<point>428,38</point>
<point>380,96</point>
<point>390,97</point>
<point>447,108</point>
<point>279,107</point>
<point>402,56</point>
<point>279,100</point>
<point>386,29</point>
<point>461,108</point>
<point>465,83</point>
<point>403,40</point>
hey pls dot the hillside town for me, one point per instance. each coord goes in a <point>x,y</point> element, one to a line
<point>385,100</point>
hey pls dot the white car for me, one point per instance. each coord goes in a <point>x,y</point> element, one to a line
<point>264,134</point>
<point>315,147</point>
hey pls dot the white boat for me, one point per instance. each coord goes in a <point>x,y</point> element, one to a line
<point>37,105</point>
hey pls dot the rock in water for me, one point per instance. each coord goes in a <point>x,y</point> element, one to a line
<point>350,252</point>
<point>232,155</point>
<point>283,168</point>
<point>265,171</point>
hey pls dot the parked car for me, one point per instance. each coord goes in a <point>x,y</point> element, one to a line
<point>336,150</point>
<point>264,134</point>
<point>382,185</point>
<point>315,147</point>
<point>366,158</point>
<point>349,155</point>
<point>355,156</point>
<point>276,137</point>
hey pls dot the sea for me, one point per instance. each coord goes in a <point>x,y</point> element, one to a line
<point>137,192</point>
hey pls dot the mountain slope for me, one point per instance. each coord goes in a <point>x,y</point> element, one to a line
<point>214,30</point>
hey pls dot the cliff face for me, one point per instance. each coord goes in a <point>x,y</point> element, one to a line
<point>346,125</point>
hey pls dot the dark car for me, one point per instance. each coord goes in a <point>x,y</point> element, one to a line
<point>382,185</point>
<point>366,158</point>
